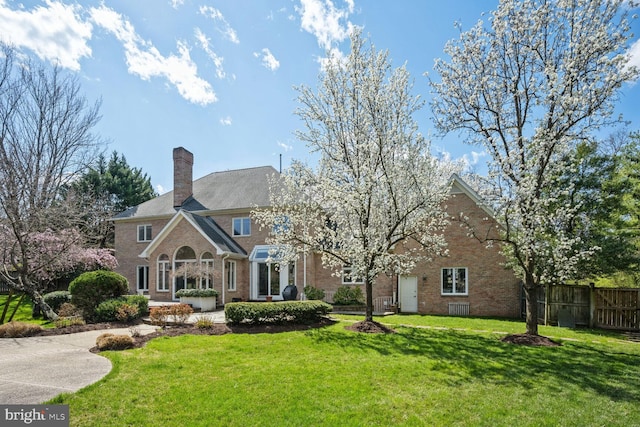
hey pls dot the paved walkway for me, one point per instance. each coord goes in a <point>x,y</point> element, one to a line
<point>36,369</point>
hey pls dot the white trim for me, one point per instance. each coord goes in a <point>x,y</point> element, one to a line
<point>459,186</point>
<point>242,230</point>
<point>150,227</point>
<point>466,281</point>
<point>145,268</point>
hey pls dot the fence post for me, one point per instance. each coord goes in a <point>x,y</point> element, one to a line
<point>592,305</point>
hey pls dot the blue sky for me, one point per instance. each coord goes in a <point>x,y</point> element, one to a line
<point>217,76</point>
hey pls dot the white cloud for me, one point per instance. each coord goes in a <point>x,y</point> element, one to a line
<point>205,45</point>
<point>160,189</point>
<point>322,19</point>
<point>55,32</point>
<point>144,60</point>
<point>268,60</point>
<point>224,27</point>
<point>284,146</point>
<point>176,3</point>
<point>226,121</point>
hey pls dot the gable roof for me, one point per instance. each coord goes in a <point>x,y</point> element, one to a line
<point>218,191</point>
<point>459,186</point>
<point>206,226</point>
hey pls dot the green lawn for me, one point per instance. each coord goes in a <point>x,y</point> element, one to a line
<point>24,310</point>
<point>333,377</point>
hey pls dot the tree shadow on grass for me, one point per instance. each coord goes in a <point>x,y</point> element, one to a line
<point>465,357</point>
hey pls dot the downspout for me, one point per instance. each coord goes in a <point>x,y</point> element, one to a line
<point>224,258</point>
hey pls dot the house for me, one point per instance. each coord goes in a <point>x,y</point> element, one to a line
<point>206,224</point>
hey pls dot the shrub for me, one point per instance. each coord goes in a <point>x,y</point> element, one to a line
<point>114,342</point>
<point>68,310</point>
<point>94,287</point>
<point>65,322</point>
<point>56,299</point>
<point>117,309</point>
<point>180,313</point>
<point>277,312</point>
<point>19,330</point>
<point>139,301</point>
<point>197,293</point>
<point>204,323</point>
<point>159,316</point>
<point>347,295</point>
<point>313,293</point>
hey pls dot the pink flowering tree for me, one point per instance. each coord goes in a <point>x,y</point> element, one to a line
<point>32,262</point>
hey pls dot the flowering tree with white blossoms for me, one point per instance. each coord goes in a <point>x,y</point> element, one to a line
<point>375,200</point>
<point>537,79</point>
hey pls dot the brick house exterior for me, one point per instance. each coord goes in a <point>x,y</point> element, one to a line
<point>207,222</point>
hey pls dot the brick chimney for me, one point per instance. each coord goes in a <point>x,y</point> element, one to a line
<point>182,176</point>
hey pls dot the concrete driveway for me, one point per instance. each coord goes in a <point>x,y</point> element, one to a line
<point>36,369</point>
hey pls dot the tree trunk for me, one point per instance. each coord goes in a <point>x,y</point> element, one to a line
<point>369,298</point>
<point>531,298</point>
<point>37,299</point>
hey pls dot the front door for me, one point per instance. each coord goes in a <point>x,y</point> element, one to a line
<point>408,294</point>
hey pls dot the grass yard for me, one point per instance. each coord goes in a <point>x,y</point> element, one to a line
<point>333,377</point>
<point>24,310</point>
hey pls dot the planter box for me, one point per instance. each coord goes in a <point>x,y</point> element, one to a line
<point>203,303</point>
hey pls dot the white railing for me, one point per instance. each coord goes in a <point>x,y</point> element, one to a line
<point>458,309</point>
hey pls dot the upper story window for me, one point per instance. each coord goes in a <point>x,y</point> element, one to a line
<point>454,281</point>
<point>242,226</point>
<point>348,278</point>
<point>144,233</point>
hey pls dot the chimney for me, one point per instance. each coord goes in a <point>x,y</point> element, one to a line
<point>182,176</point>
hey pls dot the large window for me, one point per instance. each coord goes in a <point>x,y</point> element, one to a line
<point>144,233</point>
<point>241,226</point>
<point>230,268</point>
<point>184,263</point>
<point>142,278</point>
<point>454,281</point>
<point>164,273</point>
<point>206,273</point>
<point>350,279</point>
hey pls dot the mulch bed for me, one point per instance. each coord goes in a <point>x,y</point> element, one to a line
<point>531,340</point>
<point>370,327</point>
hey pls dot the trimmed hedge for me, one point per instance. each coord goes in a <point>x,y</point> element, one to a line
<point>348,295</point>
<point>56,299</point>
<point>313,293</point>
<point>276,312</point>
<point>197,293</point>
<point>94,287</point>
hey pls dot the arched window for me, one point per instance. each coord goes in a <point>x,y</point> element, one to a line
<point>164,271</point>
<point>184,262</point>
<point>206,267</point>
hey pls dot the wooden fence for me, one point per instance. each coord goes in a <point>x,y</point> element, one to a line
<point>607,308</point>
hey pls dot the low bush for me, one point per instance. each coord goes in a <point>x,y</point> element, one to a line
<point>348,295</point>
<point>56,299</point>
<point>69,310</point>
<point>176,313</point>
<point>197,293</point>
<point>204,323</point>
<point>313,293</point>
<point>19,330</point>
<point>109,341</point>
<point>94,287</point>
<point>65,322</point>
<point>276,312</point>
<point>123,309</point>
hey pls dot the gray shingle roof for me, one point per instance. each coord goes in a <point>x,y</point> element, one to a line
<point>210,228</point>
<point>218,191</point>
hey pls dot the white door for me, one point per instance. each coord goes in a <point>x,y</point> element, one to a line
<point>408,294</point>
